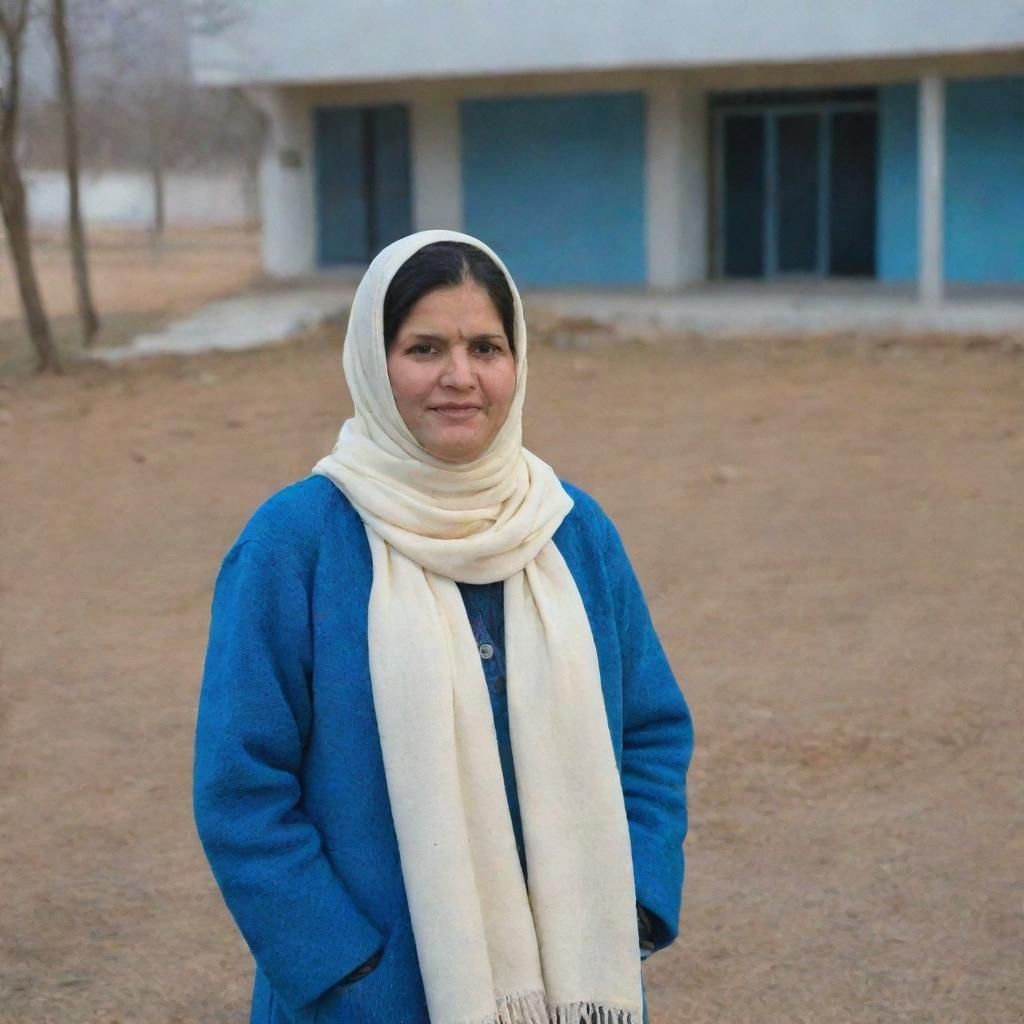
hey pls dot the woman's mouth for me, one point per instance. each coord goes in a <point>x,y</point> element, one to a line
<point>457,412</point>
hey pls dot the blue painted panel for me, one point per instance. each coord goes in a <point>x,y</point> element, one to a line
<point>556,186</point>
<point>341,187</point>
<point>363,190</point>
<point>985,180</point>
<point>896,224</point>
<point>392,195</point>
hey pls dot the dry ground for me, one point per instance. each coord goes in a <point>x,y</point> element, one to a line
<point>138,282</point>
<point>830,536</point>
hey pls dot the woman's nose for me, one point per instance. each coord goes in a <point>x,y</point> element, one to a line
<point>458,373</point>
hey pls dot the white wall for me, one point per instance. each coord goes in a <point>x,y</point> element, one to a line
<point>287,183</point>
<point>693,186</point>
<point>126,199</point>
<point>365,40</point>
<point>676,171</point>
<point>436,164</point>
<point>663,163</point>
<point>676,186</point>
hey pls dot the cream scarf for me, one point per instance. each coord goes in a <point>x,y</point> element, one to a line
<point>490,951</point>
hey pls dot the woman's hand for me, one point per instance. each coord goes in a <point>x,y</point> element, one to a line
<point>363,969</point>
<point>648,930</point>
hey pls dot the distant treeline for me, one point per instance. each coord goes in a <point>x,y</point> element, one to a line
<point>169,124</point>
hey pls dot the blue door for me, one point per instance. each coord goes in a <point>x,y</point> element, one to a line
<point>556,185</point>
<point>363,194</point>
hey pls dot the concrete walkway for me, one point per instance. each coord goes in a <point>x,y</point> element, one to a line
<point>774,308</point>
<point>241,321</point>
<point>717,309</point>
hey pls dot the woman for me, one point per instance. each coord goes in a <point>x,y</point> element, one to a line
<point>440,755</point>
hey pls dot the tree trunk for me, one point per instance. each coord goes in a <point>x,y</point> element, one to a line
<point>76,229</point>
<point>159,213</point>
<point>13,206</point>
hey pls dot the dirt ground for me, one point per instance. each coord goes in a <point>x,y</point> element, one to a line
<point>830,535</point>
<point>138,282</point>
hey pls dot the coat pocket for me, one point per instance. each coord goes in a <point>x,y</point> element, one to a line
<point>319,1011</point>
<point>345,1004</point>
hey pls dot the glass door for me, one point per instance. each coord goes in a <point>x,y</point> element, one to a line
<point>797,194</point>
<point>796,188</point>
<point>744,196</point>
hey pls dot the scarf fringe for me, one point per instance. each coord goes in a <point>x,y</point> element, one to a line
<point>591,1013</point>
<point>532,1008</point>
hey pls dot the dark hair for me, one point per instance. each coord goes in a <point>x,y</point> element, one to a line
<point>445,265</point>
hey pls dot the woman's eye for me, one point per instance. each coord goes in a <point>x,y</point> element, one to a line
<point>421,348</point>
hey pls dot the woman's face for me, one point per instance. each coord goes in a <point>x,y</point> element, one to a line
<point>452,372</point>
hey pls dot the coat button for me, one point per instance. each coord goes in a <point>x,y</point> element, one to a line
<point>486,651</point>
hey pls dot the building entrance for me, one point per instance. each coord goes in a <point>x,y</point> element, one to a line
<point>363,191</point>
<point>796,183</point>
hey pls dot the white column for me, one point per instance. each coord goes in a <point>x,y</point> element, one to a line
<point>436,164</point>
<point>931,118</point>
<point>287,197</point>
<point>676,187</point>
<point>694,187</point>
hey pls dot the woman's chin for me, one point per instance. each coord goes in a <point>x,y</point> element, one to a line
<point>455,445</point>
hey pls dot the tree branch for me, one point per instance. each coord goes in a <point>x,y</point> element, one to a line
<point>12,28</point>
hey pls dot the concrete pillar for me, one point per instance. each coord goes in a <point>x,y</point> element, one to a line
<point>676,184</point>
<point>436,165</point>
<point>287,175</point>
<point>694,187</point>
<point>931,120</point>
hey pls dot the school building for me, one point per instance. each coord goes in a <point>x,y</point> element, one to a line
<point>645,144</point>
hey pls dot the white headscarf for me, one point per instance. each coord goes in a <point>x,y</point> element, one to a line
<point>490,951</point>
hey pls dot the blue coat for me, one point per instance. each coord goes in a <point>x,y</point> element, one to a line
<point>290,797</point>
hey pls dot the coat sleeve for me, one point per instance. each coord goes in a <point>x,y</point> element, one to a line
<point>657,744</point>
<point>297,917</point>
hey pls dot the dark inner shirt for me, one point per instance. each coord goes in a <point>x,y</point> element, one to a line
<point>485,606</point>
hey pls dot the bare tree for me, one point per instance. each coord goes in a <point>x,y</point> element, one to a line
<point>137,105</point>
<point>208,17</point>
<point>142,51</point>
<point>69,116</point>
<point>165,96</point>
<point>14,18</point>
<point>165,107</point>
